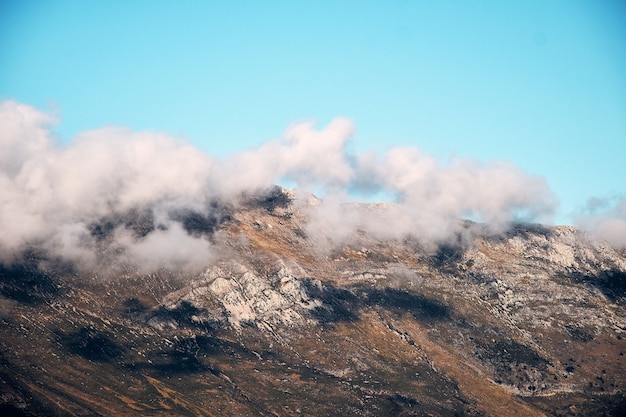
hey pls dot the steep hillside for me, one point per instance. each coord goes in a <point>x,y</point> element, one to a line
<point>281,322</point>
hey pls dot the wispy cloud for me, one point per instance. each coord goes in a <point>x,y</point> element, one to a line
<point>606,219</point>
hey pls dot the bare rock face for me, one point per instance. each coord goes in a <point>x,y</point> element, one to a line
<point>236,292</point>
<point>528,322</point>
<point>550,278</point>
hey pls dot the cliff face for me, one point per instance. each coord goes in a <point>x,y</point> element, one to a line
<point>531,321</point>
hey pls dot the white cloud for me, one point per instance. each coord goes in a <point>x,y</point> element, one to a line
<point>606,219</point>
<point>54,194</point>
<point>171,248</point>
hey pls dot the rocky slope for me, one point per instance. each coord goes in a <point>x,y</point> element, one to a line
<point>527,322</point>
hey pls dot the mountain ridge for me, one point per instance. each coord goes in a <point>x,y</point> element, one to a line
<point>285,320</point>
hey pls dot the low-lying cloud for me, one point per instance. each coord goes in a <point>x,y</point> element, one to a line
<point>154,200</point>
<point>606,219</point>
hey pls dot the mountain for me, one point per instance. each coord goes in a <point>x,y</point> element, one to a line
<point>528,321</point>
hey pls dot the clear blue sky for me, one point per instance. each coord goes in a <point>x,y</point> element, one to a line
<point>541,84</point>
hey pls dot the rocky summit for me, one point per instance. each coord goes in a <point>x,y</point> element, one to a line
<point>527,321</point>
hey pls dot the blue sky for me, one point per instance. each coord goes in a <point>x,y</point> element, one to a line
<point>541,84</point>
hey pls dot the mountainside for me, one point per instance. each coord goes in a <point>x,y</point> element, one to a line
<point>527,322</point>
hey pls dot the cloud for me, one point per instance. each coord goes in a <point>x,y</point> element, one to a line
<point>305,156</point>
<point>25,133</point>
<point>495,193</point>
<point>147,198</point>
<point>606,219</point>
<point>53,193</point>
<point>431,198</point>
<point>173,248</point>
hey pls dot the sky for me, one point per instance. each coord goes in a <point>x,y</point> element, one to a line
<point>537,84</point>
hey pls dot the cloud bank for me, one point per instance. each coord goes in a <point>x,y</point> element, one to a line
<point>154,199</point>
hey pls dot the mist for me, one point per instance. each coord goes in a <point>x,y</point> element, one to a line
<point>155,200</point>
<point>606,219</point>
